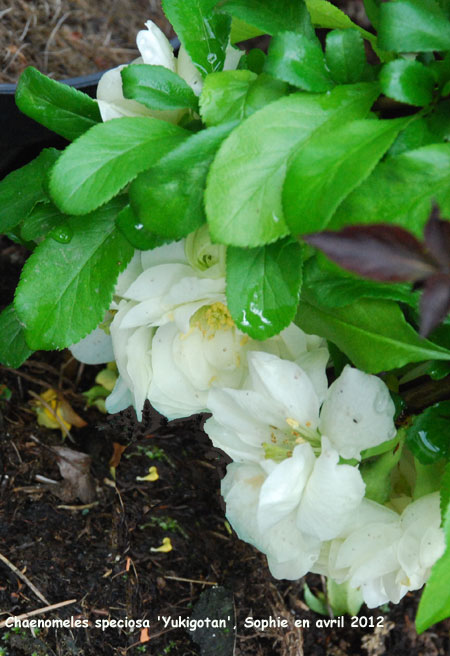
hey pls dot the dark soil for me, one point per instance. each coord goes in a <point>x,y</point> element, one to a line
<point>69,38</point>
<point>100,555</point>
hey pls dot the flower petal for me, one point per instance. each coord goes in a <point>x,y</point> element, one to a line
<point>155,47</point>
<point>282,490</point>
<point>95,348</point>
<point>357,413</point>
<point>331,496</point>
<point>287,384</point>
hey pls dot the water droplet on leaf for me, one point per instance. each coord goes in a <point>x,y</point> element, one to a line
<point>62,233</point>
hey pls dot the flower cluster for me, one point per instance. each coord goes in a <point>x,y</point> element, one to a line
<point>294,489</point>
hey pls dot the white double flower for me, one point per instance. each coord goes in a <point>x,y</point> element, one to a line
<point>172,335</point>
<point>386,554</point>
<point>287,493</point>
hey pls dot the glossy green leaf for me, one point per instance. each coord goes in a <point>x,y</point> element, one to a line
<point>372,333</point>
<point>435,602</point>
<point>326,14</point>
<point>234,95</point>
<point>268,16</point>
<point>439,120</point>
<point>135,231</point>
<point>413,26</point>
<point>65,289</point>
<point>416,135</point>
<point>329,166</point>
<point>13,348</point>
<point>204,33</point>
<point>100,163</point>
<point>407,81</point>
<point>241,31</point>
<point>345,56</point>
<point>263,287</point>
<point>58,106</point>
<point>429,435</point>
<point>298,60</point>
<point>337,288</point>
<point>243,194</point>
<point>400,191</point>
<point>372,8</point>
<point>445,489</point>
<point>22,189</point>
<point>168,198</point>
<point>43,217</point>
<point>157,87</point>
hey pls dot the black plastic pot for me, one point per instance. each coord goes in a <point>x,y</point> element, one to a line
<point>22,138</point>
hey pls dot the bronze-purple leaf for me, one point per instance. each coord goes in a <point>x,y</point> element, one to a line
<point>437,240</point>
<point>434,302</point>
<point>380,252</point>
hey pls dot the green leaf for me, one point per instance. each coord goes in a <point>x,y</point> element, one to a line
<point>202,32</point>
<point>135,231</point>
<point>298,60</point>
<point>100,163</point>
<point>22,189</point>
<point>416,134</point>
<point>345,56</point>
<point>168,198</point>
<point>234,95</point>
<point>372,333</point>
<point>243,194</point>
<point>428,436</point>
<point>157,87</point>
<point>241,31</point>
<point>325,14</point>
<point>317,604</point>
<point>407,81</point>
<point>338,289</point>
<point>435,602</point>
<point>13,347</point>
<point>263,287</point>
<point>58,106</point>
<point>400,191</point>
<point>268,16</point>
<point>413,26</point>
<point>329,166</point>
<point>65,289</point>
<point>445,489</point>
<point>372,8</point>
<point>43,217</point>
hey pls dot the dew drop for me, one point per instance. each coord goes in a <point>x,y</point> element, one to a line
<point>62,233</point>
<point>138,226</point>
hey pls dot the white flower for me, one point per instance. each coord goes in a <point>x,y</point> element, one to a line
<point>287,509</point>
<point>172,334</point>
<point>156,50</point>
<point>386,554</point>
<point>281,408</point>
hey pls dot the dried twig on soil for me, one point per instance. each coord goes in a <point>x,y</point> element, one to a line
<point>40,611</point>
<point>24,578</point>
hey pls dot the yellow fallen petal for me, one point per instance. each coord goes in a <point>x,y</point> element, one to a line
<point>151,476</point>
<point>165,547</point>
